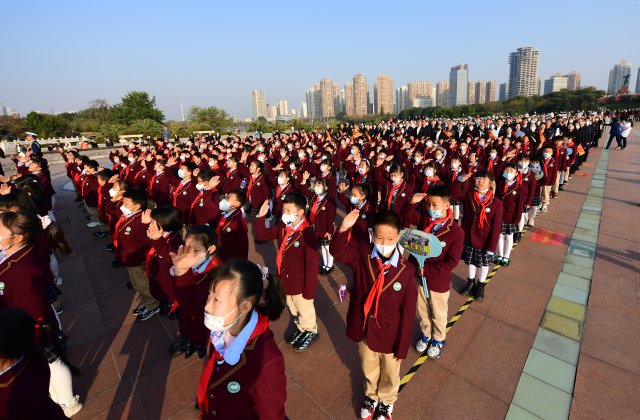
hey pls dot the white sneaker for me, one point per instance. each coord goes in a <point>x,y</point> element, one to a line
<point>544,208</point>
<point>58,279</point>
<point>73,408</point>
<point>93,224</point>
<point>422,344</point>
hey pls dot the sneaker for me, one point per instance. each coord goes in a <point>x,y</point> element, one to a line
<point>554,194</point>
<point>59,281</point>
<point>561,188</point>
<point>544,208</point>
<point>422,344</point>
<point>140,309</point>
<point>305,341</point>
<point>517,236</point>
<point>148,313</point>
<point>435,349</point>
<point>177,347</point>
<point>505,261</point>
<point>100,235</point>
<point>383,412</point>
<point>72,409</point>
<point>58,308</point>
<point>479,292</point>
<point>368,409</point>
<point>293,337</point>
<point>468,290</point>
<point>93,224</point>
<point>497,260</point>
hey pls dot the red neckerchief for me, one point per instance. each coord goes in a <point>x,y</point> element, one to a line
<point>374,293</point>
<point>288,232</point>
<point>250,186</point>
<point>428,183</point>
<point>506,186</point>
<point>210,366</point>
<point>482,216</point>
<point>394,188</point>
<point>433,222</point>
<point>545,162</point>
<point>315,204</point>
<point>223,219</point>
<point>490,164</point>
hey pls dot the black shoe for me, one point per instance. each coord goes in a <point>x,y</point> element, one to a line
<point>505,261</point>
<point>189,349</point>
<point>305,341</point>
<point>293,337</point>
<point>383,411</point>
<point>257,242</point>
<point>479,292</point>
<point>329,269</point>
<point>100,235</point>
<point>140,309</point>
<point>109,247</point>
<point>129,285</point>
<point>517,237</point>
<point>148,314</point>
<point>323,270</point>
<point>77,200</point>
<point>196,406</point>
<point>470,287</point>
<point>561,188</point>
<point>177,347</point>
<point>202,351</point>
<point>115,264</point>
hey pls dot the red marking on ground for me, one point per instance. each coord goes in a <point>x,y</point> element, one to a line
<point>580,174</point>
<point>548,237</point>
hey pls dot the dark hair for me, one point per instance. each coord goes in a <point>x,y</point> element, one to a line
<point>22,223</point>
<point>168,218</point>
<point>189,165</point>
<point>138,196</point>
<point>397,168</point>
<point>439,190</point>
<point>240,195</point>
<point>267,301</point>
<point>106,174</point>
<point>259,165</point>
<point>387,217</point>
<point>523,156</point>
<point>323,182</point>
<point>32,197</point>
<point>483,173</point>
<point>56,241</point>
<point>93,164</point>
<point>17,332</point>
<point>206,175</point>
<point>297,199</point>
<point>365,188</point>
<point>510,165</point>
<point>205,234</point>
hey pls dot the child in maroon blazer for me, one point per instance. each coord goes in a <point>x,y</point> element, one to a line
<point>284,186</point>
<point>482,223</point>
<point>257,187</point>
<point>161,183</point>
<point>185,192</point>
<point>513,196</point>
<point>550,169</point>
<point>165,236</point>
<point>321,216</point>
<point>244,376</point>
<point>191,289</point>
<point>538,174</point>
<point>104,185</point>
<point>457,182</point>
<point>359,200</point>
<point>396,192</point>
<point>438,219</point>
<point>132,246</point>
<point>382,307</point>
<point>204,209</point>
<point>527,178</point>
<point>232,227</point>
<point>297,264</point>
<point>89,192</point>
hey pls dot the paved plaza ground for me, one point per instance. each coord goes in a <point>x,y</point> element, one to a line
<point>557,335</point>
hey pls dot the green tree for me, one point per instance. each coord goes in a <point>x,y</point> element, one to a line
<point>46,125</point>
<point>178,127</point>
<point>146,127</point>
<point>214,117</point>
<point>12,128</point>
<point>112,131</point>
<point>259,124</point>
<point>136,106</point>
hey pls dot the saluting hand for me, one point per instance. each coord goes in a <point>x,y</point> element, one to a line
<point>305,175</point>
<point>154,232</point>
<point>264,209</point>
<point>146,217</point>
<point>417,197</point>
<point>349,220</point>
<point>184,259</point>
<point>214,182</point>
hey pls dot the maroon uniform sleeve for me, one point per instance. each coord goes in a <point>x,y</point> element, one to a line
<point>496,226</point>
<point>342,251</point>
<point>311,262</point>
<point>264,233</point>
<point>407,319</point>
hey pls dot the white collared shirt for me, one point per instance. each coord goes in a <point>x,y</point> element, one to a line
<point>395,258</point>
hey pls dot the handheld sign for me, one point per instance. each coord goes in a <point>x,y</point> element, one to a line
<point>421,245</point>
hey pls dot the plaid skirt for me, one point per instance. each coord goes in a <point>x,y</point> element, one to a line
<point>509,228</point>
<point>477,257</point>
<point>536,200</point>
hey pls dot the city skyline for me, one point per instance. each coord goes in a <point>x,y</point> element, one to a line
<point>178,59</point>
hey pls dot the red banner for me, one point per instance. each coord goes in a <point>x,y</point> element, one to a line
<point>548,237</point>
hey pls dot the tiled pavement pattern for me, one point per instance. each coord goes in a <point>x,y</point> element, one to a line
<point>127,373</point>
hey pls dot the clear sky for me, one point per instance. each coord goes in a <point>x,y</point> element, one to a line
<point>59,55</point>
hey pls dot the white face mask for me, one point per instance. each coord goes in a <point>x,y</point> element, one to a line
<point>181,173</point>
<point>324,169</point>
<point>282,181</point>
<point>216,323</point>
<point>429,172</point>
<point>362,171</point>
<point>112,193</point>
<point>224,205</point>
<point>418,159</point>
<point>200,187</point>
<point>125,210</point>
<point>288,219</point>
<point>116,160</point>
<point>493,155</point>
<point>546,155</point>
<point>318,190</point>
<point>354,200</point>
<point>385,250</point>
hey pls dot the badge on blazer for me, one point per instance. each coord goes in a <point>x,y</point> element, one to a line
<point>443,243</point>
<point>184,193</point>
<point>364,216</point>
<point>296,244</point>
<point>514,193</point>
<point>397,286</point>
<point>228,229</point>
<point>1,288</point>
<point>526,179</point>
<point>402,195</point>
<point>323,208</point>
<point>488,210</point>
<point>258,184</point>
<point>201,203</point>
<point>157,182</point>
<point>233,387</point>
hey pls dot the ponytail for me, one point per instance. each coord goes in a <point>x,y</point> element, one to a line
<point>272,303</point>
<point>56,240</point>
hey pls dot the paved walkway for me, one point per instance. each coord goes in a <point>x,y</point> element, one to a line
<point>127,373</point>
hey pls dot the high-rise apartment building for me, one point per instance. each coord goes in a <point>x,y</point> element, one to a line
<point>458,85</point>
<point>618,75</point>
<point>383,94</point>
<point>259,102</point>
<point>523,72</point>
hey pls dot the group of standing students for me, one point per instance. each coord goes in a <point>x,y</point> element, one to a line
<point>177,216</point>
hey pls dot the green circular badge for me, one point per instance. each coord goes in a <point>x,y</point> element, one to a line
<point>233,387</point>
<point>397,286</point>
